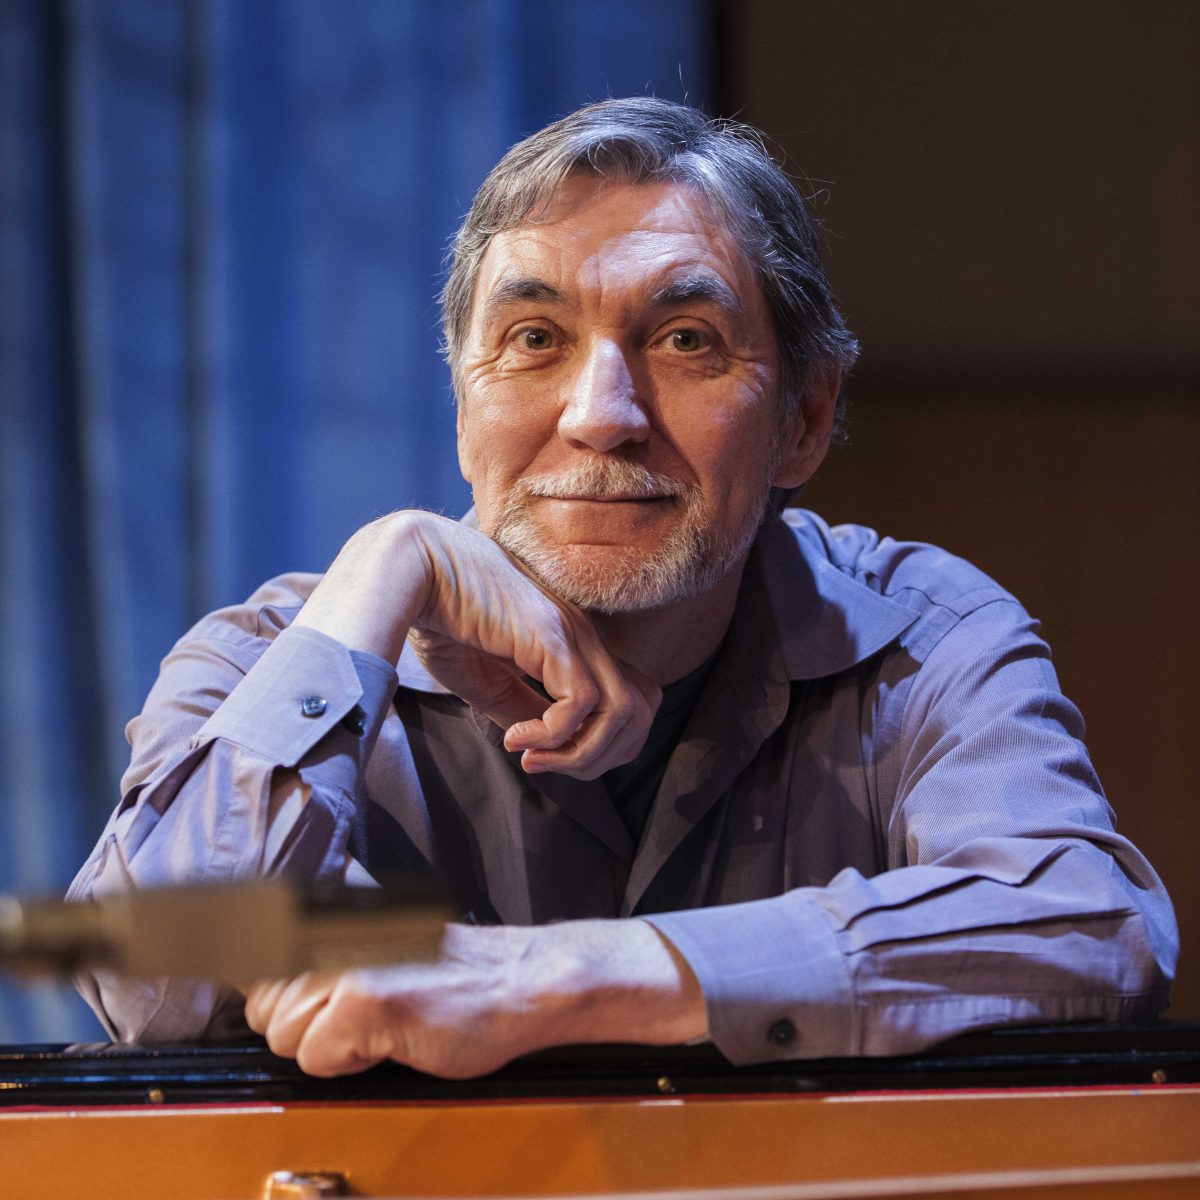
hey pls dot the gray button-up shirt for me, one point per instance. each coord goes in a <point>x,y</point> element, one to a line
<point>879,828</point>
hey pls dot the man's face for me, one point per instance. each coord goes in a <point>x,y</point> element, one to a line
<point>619,419</point>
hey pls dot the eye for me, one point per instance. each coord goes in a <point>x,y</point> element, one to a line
<point>687,341</point>
<point>535,337</point>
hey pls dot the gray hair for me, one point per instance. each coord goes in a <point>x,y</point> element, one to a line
<point>644,140</point>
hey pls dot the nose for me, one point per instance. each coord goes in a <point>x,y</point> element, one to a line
<point>603,409</point>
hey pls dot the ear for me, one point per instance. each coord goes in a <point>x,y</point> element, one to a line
<point>806,437</point>
<point>464,448</point>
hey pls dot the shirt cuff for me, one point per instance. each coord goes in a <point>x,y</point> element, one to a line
<point>775,984</point>
<point>305,686</point>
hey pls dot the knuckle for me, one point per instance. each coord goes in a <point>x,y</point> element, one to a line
<point>354,1001</point>
<point>280,1042</point>
<point>306,1060</point>
<point>314,1062</point>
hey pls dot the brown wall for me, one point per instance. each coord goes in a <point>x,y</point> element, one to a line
<point>1012,192</point>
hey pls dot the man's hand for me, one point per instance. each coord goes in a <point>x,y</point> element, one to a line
<point>481,623</point>
<point>494,993</point>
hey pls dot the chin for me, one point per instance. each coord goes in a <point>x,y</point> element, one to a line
<point>619,579</point>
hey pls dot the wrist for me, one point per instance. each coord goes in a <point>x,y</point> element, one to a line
<point>610,981</point>
<point>375,588</point>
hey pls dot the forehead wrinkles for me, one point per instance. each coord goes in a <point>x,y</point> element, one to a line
<point>686,232</point>
<point>665,265</point>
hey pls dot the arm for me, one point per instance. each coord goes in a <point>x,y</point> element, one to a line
<point>227,779</point>
<point>1008,899</point>
<point>233,774</point>
<point>482,624</point>
<point>496,992</point>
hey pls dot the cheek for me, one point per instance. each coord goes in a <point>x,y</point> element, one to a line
<point>503,431</point>
<point>730,440</point>
<point>512,407</point>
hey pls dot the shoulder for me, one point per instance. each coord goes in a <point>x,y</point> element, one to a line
<point>841,593</point>
<point>916,574</point>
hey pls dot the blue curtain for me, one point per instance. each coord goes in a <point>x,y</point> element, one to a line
<point>221,230</point>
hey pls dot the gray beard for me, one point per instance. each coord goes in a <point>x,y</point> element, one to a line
<point>690,560</point>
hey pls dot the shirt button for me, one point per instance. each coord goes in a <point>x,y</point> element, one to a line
<point>782,1033</point>
<point>355,720</point>
<point>313,706</point>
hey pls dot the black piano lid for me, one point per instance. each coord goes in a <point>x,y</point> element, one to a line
<point>246,1072</point>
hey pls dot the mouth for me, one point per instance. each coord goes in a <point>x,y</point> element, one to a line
<point>642,499</point>
<point>601,481</point>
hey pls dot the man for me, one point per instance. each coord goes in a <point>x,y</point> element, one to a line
<point>691,769</point>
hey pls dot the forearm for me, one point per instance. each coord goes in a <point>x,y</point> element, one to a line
<point>495,993</point>
<point>260,789</point>
<point>208,831</point>
<point>1008,932</point>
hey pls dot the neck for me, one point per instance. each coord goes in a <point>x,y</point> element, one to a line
<point>669,642</point>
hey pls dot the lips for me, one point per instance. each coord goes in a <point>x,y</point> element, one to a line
<point>639,499</point>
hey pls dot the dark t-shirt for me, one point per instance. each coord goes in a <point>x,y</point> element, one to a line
<point>632,787</point>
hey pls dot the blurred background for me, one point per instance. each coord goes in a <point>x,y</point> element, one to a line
<point>221,233</point>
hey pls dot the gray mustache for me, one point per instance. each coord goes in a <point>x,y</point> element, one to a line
<point>602,478</point>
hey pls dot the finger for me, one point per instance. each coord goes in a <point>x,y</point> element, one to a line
<point>557,737</point>
<point>596,718</point>
<point>527,716</point>
<point>555,724</point>
<point>605,740</point>
<point>600,747</point>
<point>499,687</point>
<point>300,1001</point>
<point>612,734</point>
<point>337,1041</point>
<point>590,757</point>
<point>572,677</point>
<point>514,704</point>
<point>261,998</point>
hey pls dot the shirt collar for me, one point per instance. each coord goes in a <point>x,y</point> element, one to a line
<point>826,621</point>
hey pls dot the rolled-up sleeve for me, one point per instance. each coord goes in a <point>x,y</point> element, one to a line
<point>247,759</point>
<point>1008,899</point>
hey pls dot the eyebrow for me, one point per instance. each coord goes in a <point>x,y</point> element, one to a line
<point>682,289</point>
<point>522,290</point>
<point>686,289</point>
